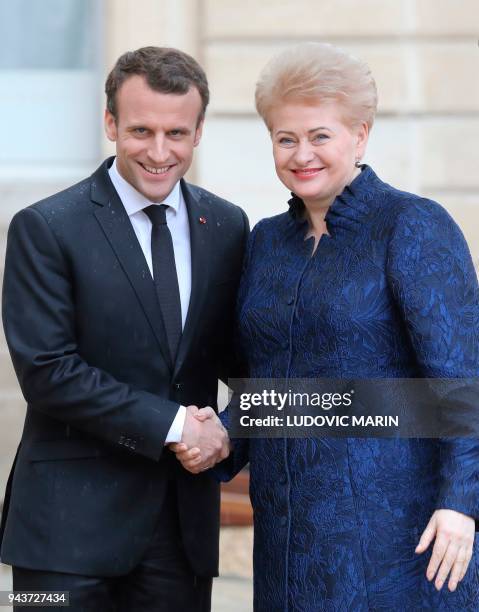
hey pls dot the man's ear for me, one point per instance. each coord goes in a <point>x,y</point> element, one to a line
<point>198,133</point>
<point>110,126</point>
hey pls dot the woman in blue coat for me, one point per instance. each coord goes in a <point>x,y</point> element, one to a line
<point>356,280</point>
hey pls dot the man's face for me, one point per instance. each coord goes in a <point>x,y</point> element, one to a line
<point>155,134</point>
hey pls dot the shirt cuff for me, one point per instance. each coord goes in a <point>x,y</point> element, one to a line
<point>176,430</point>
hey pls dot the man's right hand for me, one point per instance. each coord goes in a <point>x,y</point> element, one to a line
<point>204,441</point>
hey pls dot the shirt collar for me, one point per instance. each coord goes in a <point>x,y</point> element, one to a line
<point>133,200</point>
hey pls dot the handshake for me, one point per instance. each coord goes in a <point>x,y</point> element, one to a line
<point>204,442</point>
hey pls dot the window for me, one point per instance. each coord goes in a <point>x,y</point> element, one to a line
<point>50,88</point>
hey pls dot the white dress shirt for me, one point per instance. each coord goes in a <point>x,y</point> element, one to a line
<point>177,221</point>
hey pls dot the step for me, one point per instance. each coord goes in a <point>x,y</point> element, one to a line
<point>236,507</point>
<point>236,551</point>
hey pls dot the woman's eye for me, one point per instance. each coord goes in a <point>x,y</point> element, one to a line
<point>286,141</point>
<point>320,137</point>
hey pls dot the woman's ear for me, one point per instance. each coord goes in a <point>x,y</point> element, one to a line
<point>362,136</point>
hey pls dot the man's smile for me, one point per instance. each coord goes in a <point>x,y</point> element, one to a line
<point>153,170</point>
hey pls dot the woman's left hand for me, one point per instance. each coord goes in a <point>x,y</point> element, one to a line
<point>454,533</point>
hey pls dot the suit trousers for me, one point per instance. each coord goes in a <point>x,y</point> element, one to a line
<point>162,582</point>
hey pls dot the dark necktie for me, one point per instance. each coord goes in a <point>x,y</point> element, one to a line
<point>164,274</point>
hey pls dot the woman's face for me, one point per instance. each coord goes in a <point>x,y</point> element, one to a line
<point>315,150</point>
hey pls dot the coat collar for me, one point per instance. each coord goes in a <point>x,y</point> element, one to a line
<point>347,213</point>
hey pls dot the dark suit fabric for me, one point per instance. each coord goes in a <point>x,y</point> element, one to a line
<point>162,581</point>
<point>87,341</point>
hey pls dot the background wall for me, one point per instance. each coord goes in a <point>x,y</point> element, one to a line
<point>424,55</point>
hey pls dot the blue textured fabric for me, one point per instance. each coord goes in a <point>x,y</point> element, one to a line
<point>391,292</point>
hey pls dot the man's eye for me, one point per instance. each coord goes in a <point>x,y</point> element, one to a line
<point>140,130</point>
<point>176,133</point>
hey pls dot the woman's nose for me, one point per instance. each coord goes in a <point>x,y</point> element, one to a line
<point>304,153</point>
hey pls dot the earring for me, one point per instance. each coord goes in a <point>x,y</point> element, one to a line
<point>357,163</point>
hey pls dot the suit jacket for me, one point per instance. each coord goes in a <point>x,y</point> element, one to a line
<point>86,336</point>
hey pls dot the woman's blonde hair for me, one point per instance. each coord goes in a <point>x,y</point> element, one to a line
<point>318,71</point>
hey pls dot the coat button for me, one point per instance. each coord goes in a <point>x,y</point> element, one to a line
<point>283,520</point>
<point>290,300</point>
<point>283,480</point>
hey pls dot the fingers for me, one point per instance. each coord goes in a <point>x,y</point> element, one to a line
<point>438,552</point>
<point>196,466</point>
<point>457,569</point>
<point>465,565</point>
<point>202,416</point>
<point>205,413</point>
<point>191,467</point>
<point>191,460</point>
<point>205,441</point>
<point>225,451</point>
<point>188,454</point>
<point>177,447</point>
<point>448,560</point>
<point>427,536</point>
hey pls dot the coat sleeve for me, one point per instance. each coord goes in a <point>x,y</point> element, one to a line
<point>38,308</point>
<point>434,284</point>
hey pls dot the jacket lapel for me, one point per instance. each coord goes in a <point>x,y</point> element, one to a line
<point>201,222</point>
<point>117,227</point>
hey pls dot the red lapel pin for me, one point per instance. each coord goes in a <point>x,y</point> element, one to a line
<point>202,220</point>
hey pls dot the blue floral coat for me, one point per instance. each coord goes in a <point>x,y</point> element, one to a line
<point>390,292</point>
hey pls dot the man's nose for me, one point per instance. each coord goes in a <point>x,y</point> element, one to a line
<point>159,150</point>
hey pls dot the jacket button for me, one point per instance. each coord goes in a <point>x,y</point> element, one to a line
<point>283,520</point>
<point>290,300</point>
<point>283,480</point>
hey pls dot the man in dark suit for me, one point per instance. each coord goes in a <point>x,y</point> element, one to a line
<point>117,305</point>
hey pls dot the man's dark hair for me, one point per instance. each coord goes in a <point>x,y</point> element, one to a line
<point>166,70</point>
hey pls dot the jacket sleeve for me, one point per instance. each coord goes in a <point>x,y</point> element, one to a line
<point>231,365</point>
<point>38,307</point>
<point>239,456</point>
<point>434,284</point>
